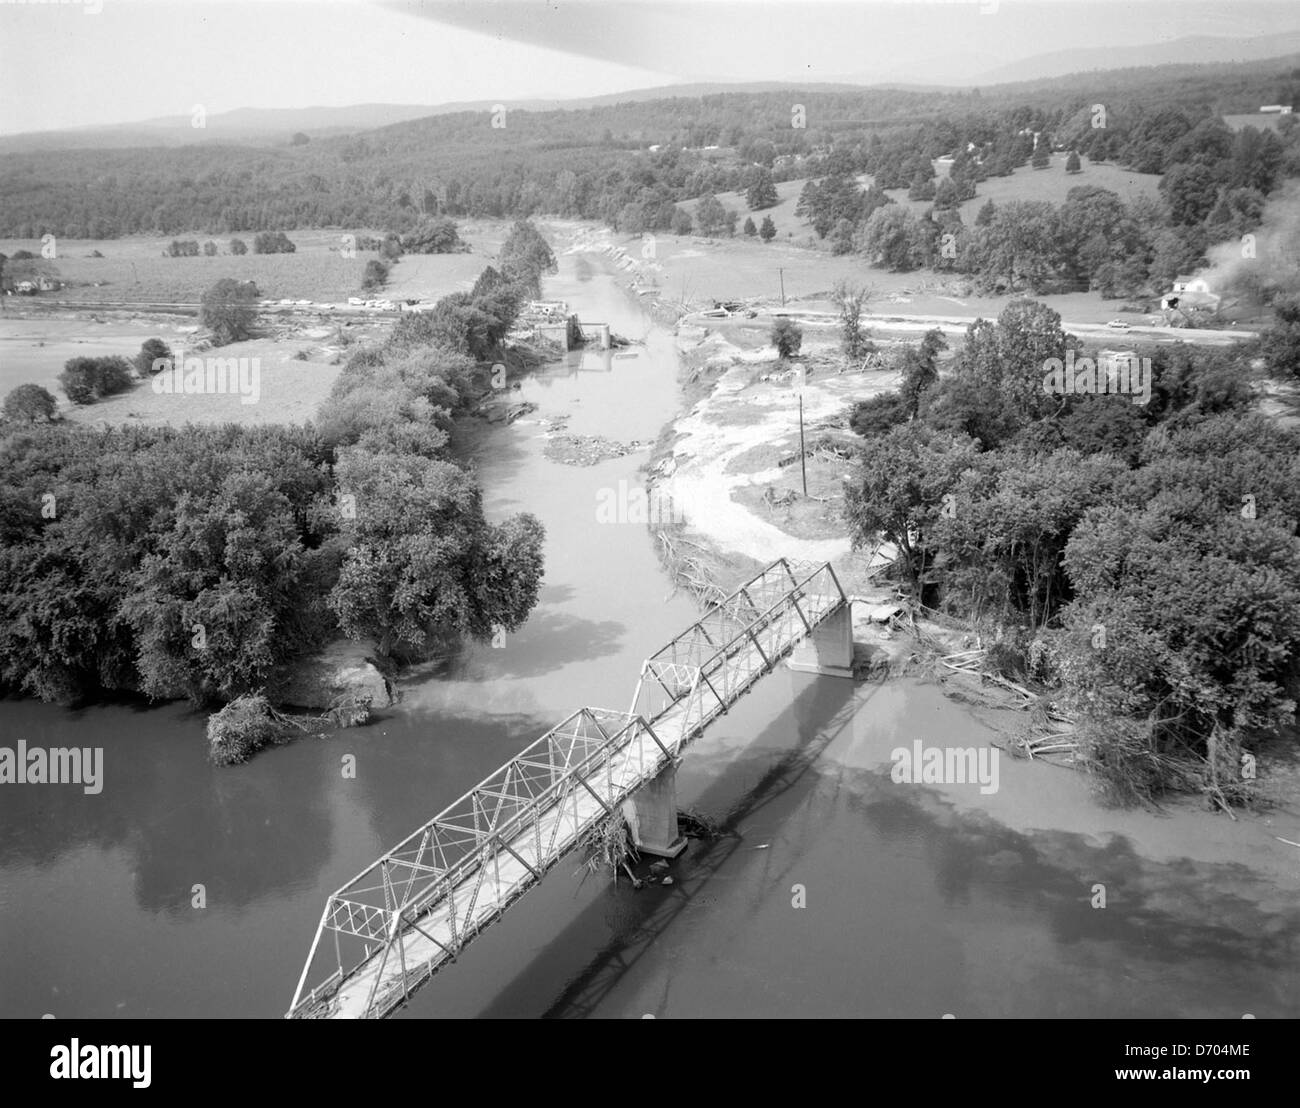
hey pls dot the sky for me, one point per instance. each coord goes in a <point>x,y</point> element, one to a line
<point>86,62</point>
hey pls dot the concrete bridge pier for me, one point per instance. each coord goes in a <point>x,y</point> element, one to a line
<point>598,331</point>
<point>651,813</point>
<point>829,649</point>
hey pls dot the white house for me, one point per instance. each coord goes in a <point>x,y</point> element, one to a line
<point>1278,109</point>
<point>1183,283</point>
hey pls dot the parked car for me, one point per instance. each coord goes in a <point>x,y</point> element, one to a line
<point>1117,325</point>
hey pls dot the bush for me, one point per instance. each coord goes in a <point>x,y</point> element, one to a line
<point>150,351</point>
<point>787,337</point>
<point>227,310</point>
<point>375,275</point>
<point>29,404</point>
<point>238,246</point>
<point>244,726</point>
<point>85,380</point>
<point>434,236</point>
<point>272,242</point>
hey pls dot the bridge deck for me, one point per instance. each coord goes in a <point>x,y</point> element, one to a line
<point>419,905</point>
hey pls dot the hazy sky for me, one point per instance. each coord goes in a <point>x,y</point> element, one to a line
<point>112,61</point>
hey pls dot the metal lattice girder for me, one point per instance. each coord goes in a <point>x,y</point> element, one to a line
<point>415,908</point>
<point>768,613</point>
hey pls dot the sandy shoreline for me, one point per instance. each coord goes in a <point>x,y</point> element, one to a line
<point>727,442</point>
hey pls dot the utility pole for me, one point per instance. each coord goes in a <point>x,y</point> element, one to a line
<point>803,456</point>
<point>782,273</point>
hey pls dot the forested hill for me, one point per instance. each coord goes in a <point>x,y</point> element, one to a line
<point>594,162</point>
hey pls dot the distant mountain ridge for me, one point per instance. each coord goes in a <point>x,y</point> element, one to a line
<point>275,126</point>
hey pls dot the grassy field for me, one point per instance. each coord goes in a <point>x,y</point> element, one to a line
<point>1051,184</point>
<point>288,390</point>
<point>700,271</point>
<point>134,268</point>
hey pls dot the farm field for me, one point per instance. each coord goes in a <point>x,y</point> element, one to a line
<point>288,390</point>
<point>290,387</point>
<point>134,268</point>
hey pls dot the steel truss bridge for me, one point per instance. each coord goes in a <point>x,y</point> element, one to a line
<point>404,917</point>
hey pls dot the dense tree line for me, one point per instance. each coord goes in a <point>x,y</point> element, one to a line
<point>1145,556</point>
<point>597,163</point>
<point>1214,190</point>
<point>192,562</point>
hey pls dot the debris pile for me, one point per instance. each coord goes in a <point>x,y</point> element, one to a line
<point>587,450</point>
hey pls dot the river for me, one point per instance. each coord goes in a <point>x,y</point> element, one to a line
<point>919,902</point>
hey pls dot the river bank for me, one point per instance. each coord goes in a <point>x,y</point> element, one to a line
<point>727,478</point>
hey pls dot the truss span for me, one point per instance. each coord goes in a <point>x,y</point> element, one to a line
<point>399,921</point>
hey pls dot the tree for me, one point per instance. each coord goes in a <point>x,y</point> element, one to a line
<point>806,205</point>
<point>750,229</point>
<point>897,490</point>
<point>1017,247</point>
<point>423,561</point>
<point>210,249</point>
<point>787,337</point>
<point>842,237</point>
<point>947,195</point>
<point>762,192</point>
<point>525,256</point>
<point>30,404</point>
<point>1177,577</point>
<point>884,238</point>
<point>1280,343</point>
<point>85,380</point>
<point>682,222</point>
<point>710,215</point>
<point>1072,164</point>
<point>997,384</point>
<point>767,232</point>
<point>922,187</point>
<point>272,242</point>
<point>919,368</point>
<point>999,548</point>
<point>876,415</point>
<point>376,273</point>
<point>229,309</point>
<point>1041,159</point>
<point>436,235</point>
<point>238,246</point>
<point>489,281</point>
<point>157,532</point>
<point>850,299</point>
<point>299,139</point>
<point>729,221</point>
<point>151,352</point>
<point>1191,191</point>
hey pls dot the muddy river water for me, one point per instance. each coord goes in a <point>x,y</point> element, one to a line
<point>916,900</point>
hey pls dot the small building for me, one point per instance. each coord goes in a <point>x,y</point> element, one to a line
<point>1263,120</point>
<point>1276,109</point>
<point>1185,283</point>
<point>25,288</point>
<point>48,284</point>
